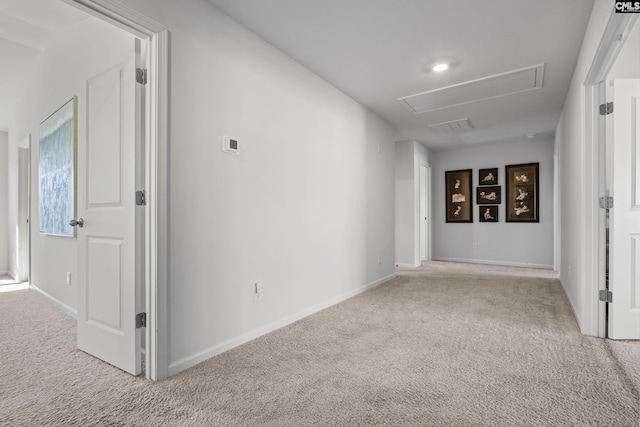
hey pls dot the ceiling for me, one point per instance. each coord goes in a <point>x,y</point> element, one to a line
<point>378,51</point>
<point>26,29</point>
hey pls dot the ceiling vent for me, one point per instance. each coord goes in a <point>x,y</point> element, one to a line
<point>509,83</point>
<point>452,126</point>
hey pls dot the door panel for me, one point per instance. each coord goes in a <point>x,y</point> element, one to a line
<point>107,242</point>
<point>624,276</point>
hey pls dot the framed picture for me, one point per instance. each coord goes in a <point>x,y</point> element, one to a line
<point>488,213</point>
<point>488,176</point>
<point>522,193</point>
<point>57,170</point>
<point>489,195</point>
<point>459,201</point>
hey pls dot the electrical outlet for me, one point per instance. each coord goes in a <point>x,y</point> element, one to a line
<point>379,259</point>
<point>69,278</point>
<point>474,245</point>
<point>257,291</point>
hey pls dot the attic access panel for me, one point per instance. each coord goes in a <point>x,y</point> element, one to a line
<point>496,86</point>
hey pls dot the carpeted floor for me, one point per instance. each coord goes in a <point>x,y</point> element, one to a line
<point>440,345</point>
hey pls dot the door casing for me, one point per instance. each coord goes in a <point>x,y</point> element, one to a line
<point>617,28</point>
<point>156,36</point>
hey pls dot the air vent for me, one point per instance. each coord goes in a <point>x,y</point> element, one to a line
<point>496,86</point>
<point>452,126</point>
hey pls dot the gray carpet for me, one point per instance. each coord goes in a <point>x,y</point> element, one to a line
<point>441,345</point>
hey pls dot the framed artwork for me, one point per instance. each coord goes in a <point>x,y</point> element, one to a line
<point>489,195</point>
<point>488,176</point>
<point>459,201</point>
<point>488,213</point>
<point>57,170</point>
<point>522,193</point>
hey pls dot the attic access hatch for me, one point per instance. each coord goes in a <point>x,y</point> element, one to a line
<point>496,86</point>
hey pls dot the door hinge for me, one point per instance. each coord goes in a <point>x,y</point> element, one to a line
<point>606,296</point>
<point>141,198</point>
<point>606,202</point>
<point>141,76</point>
<point>141,320</point>
<point>606,108</point>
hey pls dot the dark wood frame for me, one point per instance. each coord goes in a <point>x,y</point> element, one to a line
<point>482,173</point>
<point>522,193</point>
<point>459,201</point>
<point>493,188</point>
<point>493,213</point>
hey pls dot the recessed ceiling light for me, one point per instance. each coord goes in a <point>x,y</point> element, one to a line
<point>438,68</point>
<point>531,135</point>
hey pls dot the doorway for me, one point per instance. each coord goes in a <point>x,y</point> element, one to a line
<point>425,212</point>
<point>616,57</point>
<point>154,169</point>
<point>23,232</point>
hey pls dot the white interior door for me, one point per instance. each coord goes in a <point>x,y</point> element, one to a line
<point>424,213</point>
<point>108,296</point>
<point>24,196</point>
<point>624,248</point>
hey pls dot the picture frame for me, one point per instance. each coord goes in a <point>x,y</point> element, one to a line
<point>488,176</point>
<point>459,196</point>
<point>489,195</point>
<point>57,170</point>
<point>522,195</point>
<point>488,213</point>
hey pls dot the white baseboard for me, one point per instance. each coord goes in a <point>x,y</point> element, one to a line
<point>201,356</point>
<point>407,265</point>
<point>503,263</point>
<point>67,309</point>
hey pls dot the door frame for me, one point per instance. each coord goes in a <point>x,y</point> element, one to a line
<point>155,165</point>
<point>24,210</point>
<point>425,201</point>
<point>616,31</point>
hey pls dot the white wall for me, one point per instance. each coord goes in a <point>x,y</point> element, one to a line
<point>306,208</point>
<point>80,52</point>
<point>4,208</point>
<point>577,214</point>
<point>409,156</point>
<point>519,244</point>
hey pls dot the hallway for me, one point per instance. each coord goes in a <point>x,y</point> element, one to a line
<point>444,344</point>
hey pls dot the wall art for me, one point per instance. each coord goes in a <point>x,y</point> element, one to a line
<point>488,213</point>
<point>488,176</point>
<point>459,195</point>
<point>522,193</point>
<point>57,170</point>
<point>491,195</point>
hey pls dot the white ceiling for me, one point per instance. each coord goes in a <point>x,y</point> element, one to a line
<point>377,51</point>
<point>26,28</point>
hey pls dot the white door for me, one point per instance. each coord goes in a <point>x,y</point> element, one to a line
<point>624,248</point>
<point>424,213</point>
<point>24,196</point>
<point>107,297</point>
